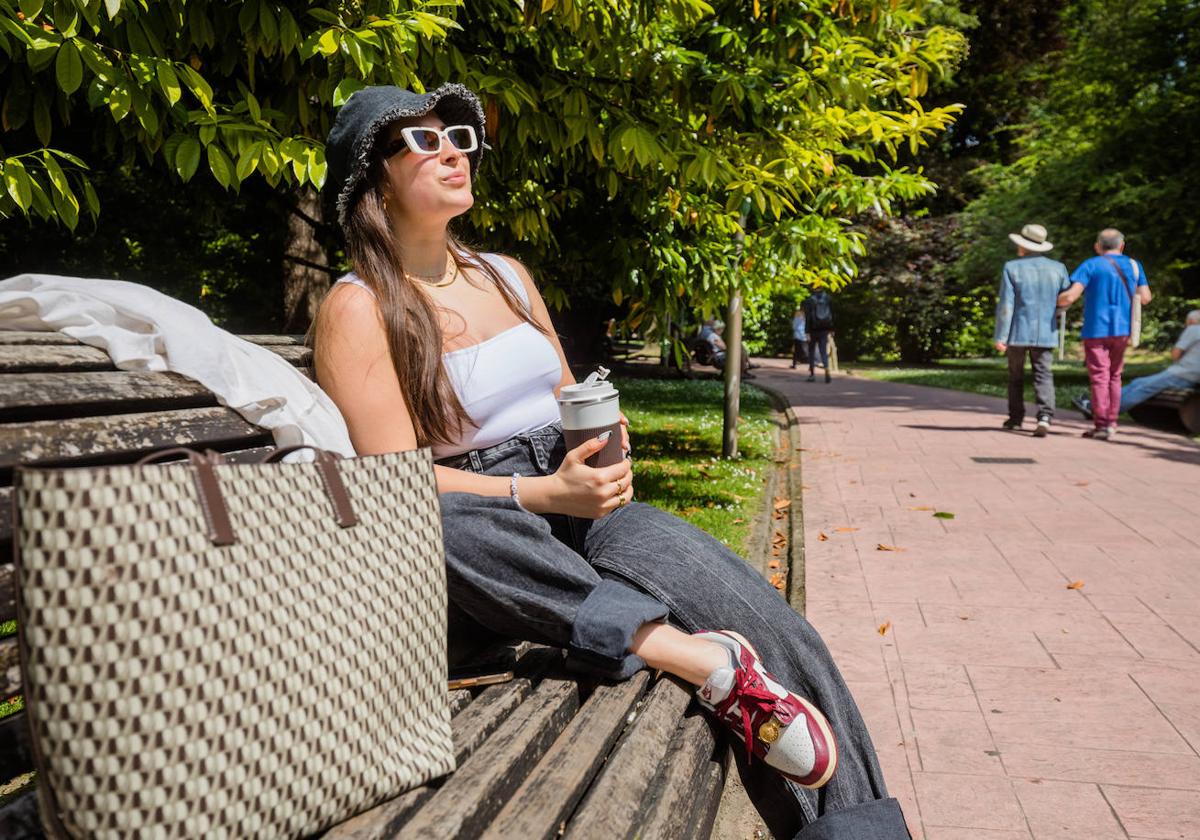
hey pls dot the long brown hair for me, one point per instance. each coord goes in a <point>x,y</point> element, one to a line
<point>410,318</point>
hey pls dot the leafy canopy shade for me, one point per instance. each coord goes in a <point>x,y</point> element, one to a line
<point>628,136</point>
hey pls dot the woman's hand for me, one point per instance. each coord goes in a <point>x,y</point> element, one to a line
<point>579,490</point>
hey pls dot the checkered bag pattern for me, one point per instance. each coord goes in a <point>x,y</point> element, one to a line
<point>268,688</point>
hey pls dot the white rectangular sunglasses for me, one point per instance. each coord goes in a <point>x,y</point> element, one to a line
<point>426,140</point>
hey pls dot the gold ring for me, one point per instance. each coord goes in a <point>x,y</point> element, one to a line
<point>620,489</point>
<point>621,500</point>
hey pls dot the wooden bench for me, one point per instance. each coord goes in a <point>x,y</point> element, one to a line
<point>543,755</point>
<point>1174,405</point>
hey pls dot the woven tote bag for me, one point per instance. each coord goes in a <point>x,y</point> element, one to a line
<point>231,650</point>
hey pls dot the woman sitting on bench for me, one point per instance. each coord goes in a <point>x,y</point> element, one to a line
<point>429,343</point>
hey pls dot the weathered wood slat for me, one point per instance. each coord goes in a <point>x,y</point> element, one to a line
<point>458,700</point>
<point>44,396</point>
<point>382,822</point>
<point>473,795</point>
<point>297,355</point>
<point>275,340</point>
<point>671,801</point>
<point>471,727</point>
<point>543,803</point>
<point>611,807</point>
<point>73,356</point>
<point>18,358</point>
<point>484,716</point>
<point>19,337</point>
<point>709,802</point>
<point>53,337</point>
<point>121,438</point>
<point>10,668</point>
<point>16,751</point>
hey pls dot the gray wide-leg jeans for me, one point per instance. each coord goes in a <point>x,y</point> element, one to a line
<point>588,585</point>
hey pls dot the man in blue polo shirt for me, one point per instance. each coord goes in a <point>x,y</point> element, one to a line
<point>1110,280</point>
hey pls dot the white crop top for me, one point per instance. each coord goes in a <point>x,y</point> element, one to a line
<point>506,383</point>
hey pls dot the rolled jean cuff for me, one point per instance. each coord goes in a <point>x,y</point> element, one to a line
<point>880,819</point>
<point>604,627</point>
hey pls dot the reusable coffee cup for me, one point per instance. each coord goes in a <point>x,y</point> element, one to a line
<point>591,409</point>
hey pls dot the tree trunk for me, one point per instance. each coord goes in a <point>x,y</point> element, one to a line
<point>306,271</point>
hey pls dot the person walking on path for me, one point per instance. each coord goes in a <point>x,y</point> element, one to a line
<point>1111,280</point>
<point>1184,373</point>
<point>799,337</point>
<point>818,318</point>
<point>1026,324</point>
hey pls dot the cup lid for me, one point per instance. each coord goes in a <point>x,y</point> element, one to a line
<point>593,389</point>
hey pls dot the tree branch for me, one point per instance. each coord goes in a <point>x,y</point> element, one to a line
<point>309,264</point>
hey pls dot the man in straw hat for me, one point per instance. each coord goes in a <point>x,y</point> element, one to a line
<point>1111,281</point>
<point>1026,323</point>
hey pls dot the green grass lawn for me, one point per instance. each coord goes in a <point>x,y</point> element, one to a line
<point>675,430</point>
<point>990,376</point>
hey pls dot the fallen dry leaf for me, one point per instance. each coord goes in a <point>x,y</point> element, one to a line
<point>1082,483</point>
<point>883,628</point>
<point>738,521</point>
<point>780,538</point>
<point>774,564</point>
<point>821,535</point>
<point>886,547</point>
<point>846,529</point>
<point>782,504</point>
<point>778,581</point>
<point>1075,584</point>
<point>923,507</point>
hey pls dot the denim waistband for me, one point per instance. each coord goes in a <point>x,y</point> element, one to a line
<point>538,451</point>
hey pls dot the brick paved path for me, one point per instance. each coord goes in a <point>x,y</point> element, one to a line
<point>1004,704</point>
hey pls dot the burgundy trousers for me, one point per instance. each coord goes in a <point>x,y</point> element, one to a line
<point>1105,360</point>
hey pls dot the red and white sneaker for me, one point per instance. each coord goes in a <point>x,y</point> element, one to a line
<point>781,728</point>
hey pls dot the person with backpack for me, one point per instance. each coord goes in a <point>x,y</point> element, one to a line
<point>1114,285</point>
<point>818,318</point>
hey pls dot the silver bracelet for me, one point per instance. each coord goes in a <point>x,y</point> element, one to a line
<point>512,490</point>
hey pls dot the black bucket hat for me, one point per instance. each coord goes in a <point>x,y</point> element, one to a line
<point>360,121</point>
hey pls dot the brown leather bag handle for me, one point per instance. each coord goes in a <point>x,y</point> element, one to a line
<point>335,488</point>
<point>216,514</point>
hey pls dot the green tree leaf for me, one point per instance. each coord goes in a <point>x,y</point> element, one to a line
<point>16,181</point>
<point>221,167</point>
<point>58,178</point>
<point>31,8</point>
<point>187,158</point>
<point>345,89</point>
<point>169,82</point>
<point>42,122</point>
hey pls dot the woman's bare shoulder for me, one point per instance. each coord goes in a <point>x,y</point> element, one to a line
<point>350,301</point>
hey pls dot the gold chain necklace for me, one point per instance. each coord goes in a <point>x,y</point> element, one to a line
<point>447,277</point>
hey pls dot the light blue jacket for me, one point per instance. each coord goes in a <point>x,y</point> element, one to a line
<point>1025,305</point>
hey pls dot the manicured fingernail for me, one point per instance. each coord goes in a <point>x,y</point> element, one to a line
<point>604,436</point>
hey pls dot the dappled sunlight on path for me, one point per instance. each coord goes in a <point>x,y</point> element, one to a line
<point>1019,618</point>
